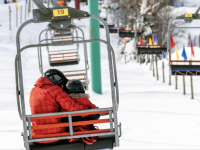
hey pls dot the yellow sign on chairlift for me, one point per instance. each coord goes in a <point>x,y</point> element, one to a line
<point>60,12</point>
<point>188,15</point>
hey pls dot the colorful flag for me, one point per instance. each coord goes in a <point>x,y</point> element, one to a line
<point>17,6</point>
<point>184,55</point>
<point>192,49</point>
<point>155,44</point>
<point>155,38</point>
<point>172,41</point>
<point>177,55</point>
<point>141,41</point>
<point>150,41</point>
<point>164,55</point>
<point>9,8</point>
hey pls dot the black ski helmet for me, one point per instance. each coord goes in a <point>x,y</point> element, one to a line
<point>75,86</point>
<point>57,76</point>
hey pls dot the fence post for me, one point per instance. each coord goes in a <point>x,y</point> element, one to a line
<point>184,91</point>
<point>20,14</point>
<point>10,17</point>
<point>176,81</point>
<point>153,65</point>
<point>163,67</point>
<point>25,10</point>
<point>16,15</point>
<point>192,92</point>
<point>157,67</point>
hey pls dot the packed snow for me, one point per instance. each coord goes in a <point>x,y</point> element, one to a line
<point>153,114</point>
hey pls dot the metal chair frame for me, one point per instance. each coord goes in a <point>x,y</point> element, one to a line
<point>20,87</point>
<point>189,69</point>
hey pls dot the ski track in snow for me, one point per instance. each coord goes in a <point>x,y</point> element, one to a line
<point>153,114</point>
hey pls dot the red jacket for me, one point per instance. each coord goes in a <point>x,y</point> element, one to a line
<point>46,97</point>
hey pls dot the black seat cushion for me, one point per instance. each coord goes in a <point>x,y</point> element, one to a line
<point>65,145</point>
<point>64,63</point>
<point>101,143</point>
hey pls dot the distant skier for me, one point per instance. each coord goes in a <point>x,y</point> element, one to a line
<point>49,95</point>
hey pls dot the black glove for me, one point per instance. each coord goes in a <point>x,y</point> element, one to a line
<point>93,117</point>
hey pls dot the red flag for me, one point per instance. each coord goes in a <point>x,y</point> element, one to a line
<point>141,41</point>
<point>192,50</point>
<point>153,40</point>
<point>172,41</point>
<point>9,8</point>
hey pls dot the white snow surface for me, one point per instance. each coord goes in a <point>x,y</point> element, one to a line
<point>153,114</point>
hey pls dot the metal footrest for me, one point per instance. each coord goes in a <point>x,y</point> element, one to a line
<point>185,70</point>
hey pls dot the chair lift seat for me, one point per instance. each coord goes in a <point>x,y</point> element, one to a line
<point>128,33</point>
<point>101,143</point>
<point>109,25</point>
<point>64,62</point>
<point>185,69</point>
<point>152,50</point>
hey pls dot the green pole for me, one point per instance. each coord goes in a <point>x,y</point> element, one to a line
<point>95,48</point>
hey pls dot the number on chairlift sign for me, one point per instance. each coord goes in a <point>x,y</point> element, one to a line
<point>60,12</point>
<point>188,15</point>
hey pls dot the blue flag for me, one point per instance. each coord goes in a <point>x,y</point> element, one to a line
<point>184,55</point>
<point>155,38</point>
<point>164,55</point>
<point>26,1</point>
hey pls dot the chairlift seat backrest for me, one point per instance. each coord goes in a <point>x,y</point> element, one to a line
<point>148,49</point>
<point>185,69</point>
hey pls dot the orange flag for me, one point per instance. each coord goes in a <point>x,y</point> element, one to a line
<point>192,49</point>
<point>141,41</point>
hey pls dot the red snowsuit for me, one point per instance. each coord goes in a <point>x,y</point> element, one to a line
<point>46,97</point>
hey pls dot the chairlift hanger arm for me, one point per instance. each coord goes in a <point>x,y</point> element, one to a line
<point>41,7</point>
<point>157,8</point>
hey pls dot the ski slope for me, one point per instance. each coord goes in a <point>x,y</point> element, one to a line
<point>153,114</point>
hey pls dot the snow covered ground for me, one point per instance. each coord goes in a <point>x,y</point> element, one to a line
<point>153,114</point>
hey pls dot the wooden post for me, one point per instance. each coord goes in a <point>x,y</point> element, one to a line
<point>157,67</point>
<point>192,92</point>
<point>184,91</point>
<point>20,14</point>
<point>10,18</point>
<point>147,60</point>
<point>153,65</point>
<point>176,80</point>
<point>25,10</point>
<point>170,81</point>
<point>125,58</point>
<point>16,17</point>
<point>163,68</point>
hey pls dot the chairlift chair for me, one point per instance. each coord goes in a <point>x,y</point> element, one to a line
<point>186,67</point>
<point>107,138</point>
<point>65,57</point>
<point>150,49</point>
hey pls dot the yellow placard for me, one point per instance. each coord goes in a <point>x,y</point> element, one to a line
<point>60,12</point>
<point>106,7</point>
<point>188,15</point>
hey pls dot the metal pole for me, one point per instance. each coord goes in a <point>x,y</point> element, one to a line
<point>163,67</point>
<point>192,90</point>
<point>77,4</point>
<point>20,14</point>
<point>95,55</point>
<point>157,67</point>
<point>184,91</point>
<point>176,80</point>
